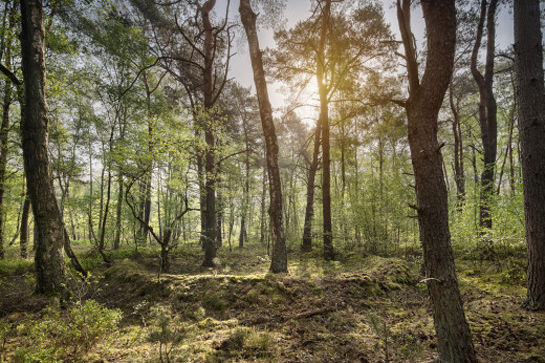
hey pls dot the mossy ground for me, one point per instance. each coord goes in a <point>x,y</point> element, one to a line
<point>358,309</point>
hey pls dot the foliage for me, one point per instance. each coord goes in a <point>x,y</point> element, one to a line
<point>382,330</point>
<point>15,266</point>
<point>165,330</point>
<point>248,343</point>
<point>60,334</point>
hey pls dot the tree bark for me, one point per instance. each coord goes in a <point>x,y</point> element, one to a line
<point>246,198</point>
<point>4,149</point>
<point>210,224</point>
<point>459,176</point>
<point>263,221</point>
<point>279,260</point>
<point>23,236</point>
<point>118,212</point>
<point>324,121</point>
<point>49,258</point>
<point>309,211</point>
<point>531,100</point>
<point>487,109</point>
<point>425,99</point>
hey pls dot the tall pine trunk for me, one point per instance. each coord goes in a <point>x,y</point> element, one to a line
<point>487,109</point>
<point>23,236</point>
<point>210,220</point>
<point>454,340</point>
<point>324,121</point>
<point>49,258</point>
<point>531,100</point>
<point>279,260</point>
<point>459,176</point>
<point>309,211</point>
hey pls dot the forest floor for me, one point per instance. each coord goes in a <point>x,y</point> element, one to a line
<point>357,309</point>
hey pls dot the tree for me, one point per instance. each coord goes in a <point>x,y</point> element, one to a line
<point>340,47</point>
<point>487,108</point>
<point>279,260</point>
<point>195,50</point>
<point>5,51</point>
<point>425,99</point>
<point>323,90</point>
<point>49,258</point>
<point>531,100</point>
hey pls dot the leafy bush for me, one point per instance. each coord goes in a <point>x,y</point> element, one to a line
<point>72,332</point>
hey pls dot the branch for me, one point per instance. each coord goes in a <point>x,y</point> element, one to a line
<point>401,103</point>
<point>229,156</point>
<point>10,75</point>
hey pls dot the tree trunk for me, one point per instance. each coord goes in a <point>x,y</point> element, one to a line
<point>425,99</point>
<point>263,221</point>
<point>231,222</point>
<point>23,237</point>
<point>146,195</point>
<point>102,241</point>
<point>49,258</point>
<point>487,109</point>
<point>4,149</point>
<point>531,100</point>
<point>165,251</point>
<point>118,212</point>
<point>309,211</point>
<point>324,121</point>
<point>459,176</point>
<point>279,260</point>
<point>512,114</point>
<point>210,225</point>
<point>246,198</point>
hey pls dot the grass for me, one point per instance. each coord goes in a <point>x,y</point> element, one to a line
<point>359,308</point>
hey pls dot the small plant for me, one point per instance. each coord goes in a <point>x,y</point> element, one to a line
<point>165,330</point>
<point>382,331</point>
<point>141,309</point>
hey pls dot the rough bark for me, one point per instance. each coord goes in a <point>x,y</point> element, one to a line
<point>263,221</point>
<point>279,260</point>
<point>210,220</point>
<point>309,211</point>
<point>425,99</point>
<point>4,132</point>
<point>324,120</point>
<point>487,108</point>
<point>531,100</point>
<point>243,234</point>
<point>23,236</point>
<point>49,258</point>
<point>459,175</point>
<point>118,212</point>
<point>146,202</point>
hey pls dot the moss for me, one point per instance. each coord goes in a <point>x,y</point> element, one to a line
<point>215,300</point>
<point>391,269</point>
<point>247,343</point>
<point>16,266</point>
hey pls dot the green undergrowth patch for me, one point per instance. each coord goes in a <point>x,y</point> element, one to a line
<point>358,309</point>
<point>59,335</point>
<point>16,266</point>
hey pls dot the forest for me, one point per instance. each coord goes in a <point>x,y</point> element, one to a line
<point>272,181</point>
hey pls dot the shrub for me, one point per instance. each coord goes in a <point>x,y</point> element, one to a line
<point>73,332</point>
<point>165,330</point>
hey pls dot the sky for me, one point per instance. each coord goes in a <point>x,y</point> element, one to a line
<point>296,10</point>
